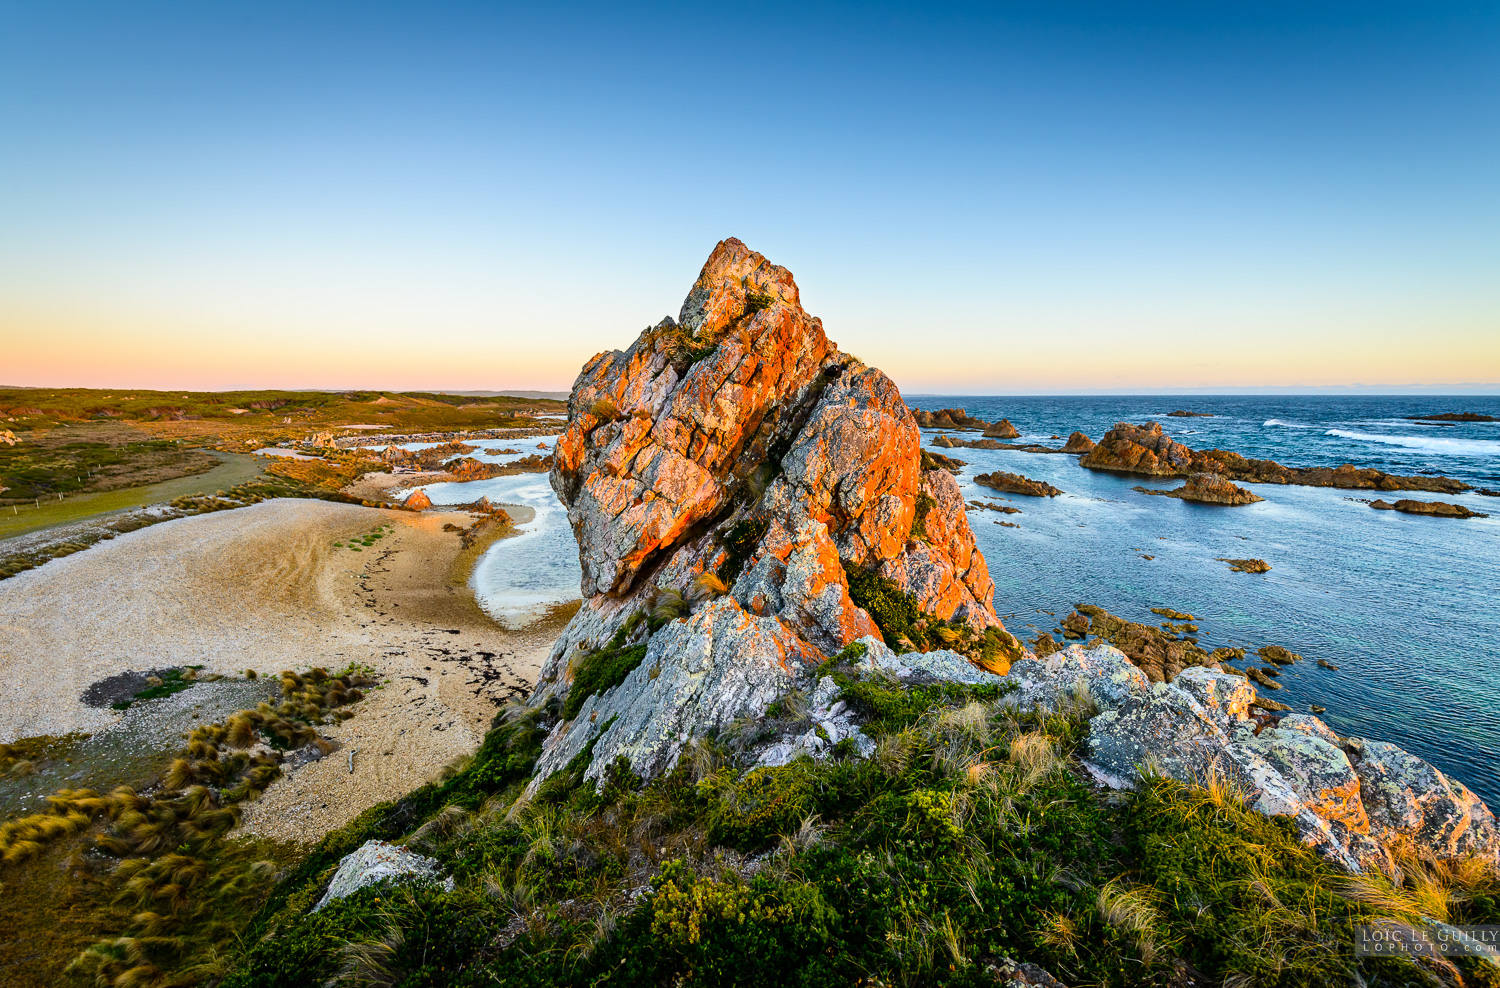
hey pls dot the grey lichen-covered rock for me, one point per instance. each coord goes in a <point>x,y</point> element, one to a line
<point>1316,770</point>
<point>1350,799</point>
<point>1163,729</point>
<point>936,666</point>
<point>698,676</point>
<point>1223,695</point>
<point>1308,724</point>
<point>376,861</point>
<point>829,721</point>
<point>1405,796</point>
<point>1101,673</point>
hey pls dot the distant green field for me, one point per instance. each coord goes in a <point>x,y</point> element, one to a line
<point>20,519</point>
<point>26,409</point>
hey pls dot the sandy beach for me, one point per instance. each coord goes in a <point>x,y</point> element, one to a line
<point>265,588</point>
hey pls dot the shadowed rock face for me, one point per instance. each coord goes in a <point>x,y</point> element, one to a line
<point>739,443</point>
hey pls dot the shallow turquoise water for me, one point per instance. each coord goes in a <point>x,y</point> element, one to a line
<point>1405,606</point>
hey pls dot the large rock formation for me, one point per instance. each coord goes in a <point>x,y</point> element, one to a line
<point>726,476</point>
<point>1146,450</point>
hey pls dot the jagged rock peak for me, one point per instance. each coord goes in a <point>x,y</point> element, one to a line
<point>721,476</point>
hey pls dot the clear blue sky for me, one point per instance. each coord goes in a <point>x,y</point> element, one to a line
<point>977,198</point>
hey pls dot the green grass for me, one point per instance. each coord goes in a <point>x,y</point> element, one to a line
<point>970,835</point>
<point>19,519</point>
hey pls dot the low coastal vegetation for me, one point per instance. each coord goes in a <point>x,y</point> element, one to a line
<point>144,885</point>
<point>969,840</point>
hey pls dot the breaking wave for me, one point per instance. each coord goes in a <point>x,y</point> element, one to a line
<point>1428,444</point>
<point>1289,425</point>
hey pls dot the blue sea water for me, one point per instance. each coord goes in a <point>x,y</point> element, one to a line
<point>1407,607</point>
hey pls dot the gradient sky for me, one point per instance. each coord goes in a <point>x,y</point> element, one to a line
<point>978,198</point>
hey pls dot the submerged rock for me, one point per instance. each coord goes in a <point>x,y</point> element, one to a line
<point>1245,565</point>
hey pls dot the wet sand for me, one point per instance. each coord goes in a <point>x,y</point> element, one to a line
<point>264,587</point>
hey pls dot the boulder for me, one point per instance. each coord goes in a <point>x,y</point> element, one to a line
<point>417,501</point>
<point>1162,729</point>
<point>1406,796</point>
<point>376,861</point>
<point>1317,770</point>
<point>1078,442</point>
<point>936,666</point>
<point>1223,695</point>
<point>1101,674</point>
<point>1002,430</point>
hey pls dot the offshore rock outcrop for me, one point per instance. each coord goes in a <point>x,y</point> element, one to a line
<point>1146,450</point>
<point>726,477</point>
<point>1438,509</point>
<point>1014,483</point>
<point>1208,488</point>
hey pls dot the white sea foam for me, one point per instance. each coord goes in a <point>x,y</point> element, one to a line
<point>1428,444</point>
<point>1289,425</point>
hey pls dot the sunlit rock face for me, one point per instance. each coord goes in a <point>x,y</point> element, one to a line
<point>739,445</point>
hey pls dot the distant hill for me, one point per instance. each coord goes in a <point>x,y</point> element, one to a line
<point>553,395</point>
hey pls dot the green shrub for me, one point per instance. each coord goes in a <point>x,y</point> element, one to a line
<point>600,672</point>
<point>753,810</point>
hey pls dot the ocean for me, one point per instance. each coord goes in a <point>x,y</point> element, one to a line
<point>1407,607</point>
